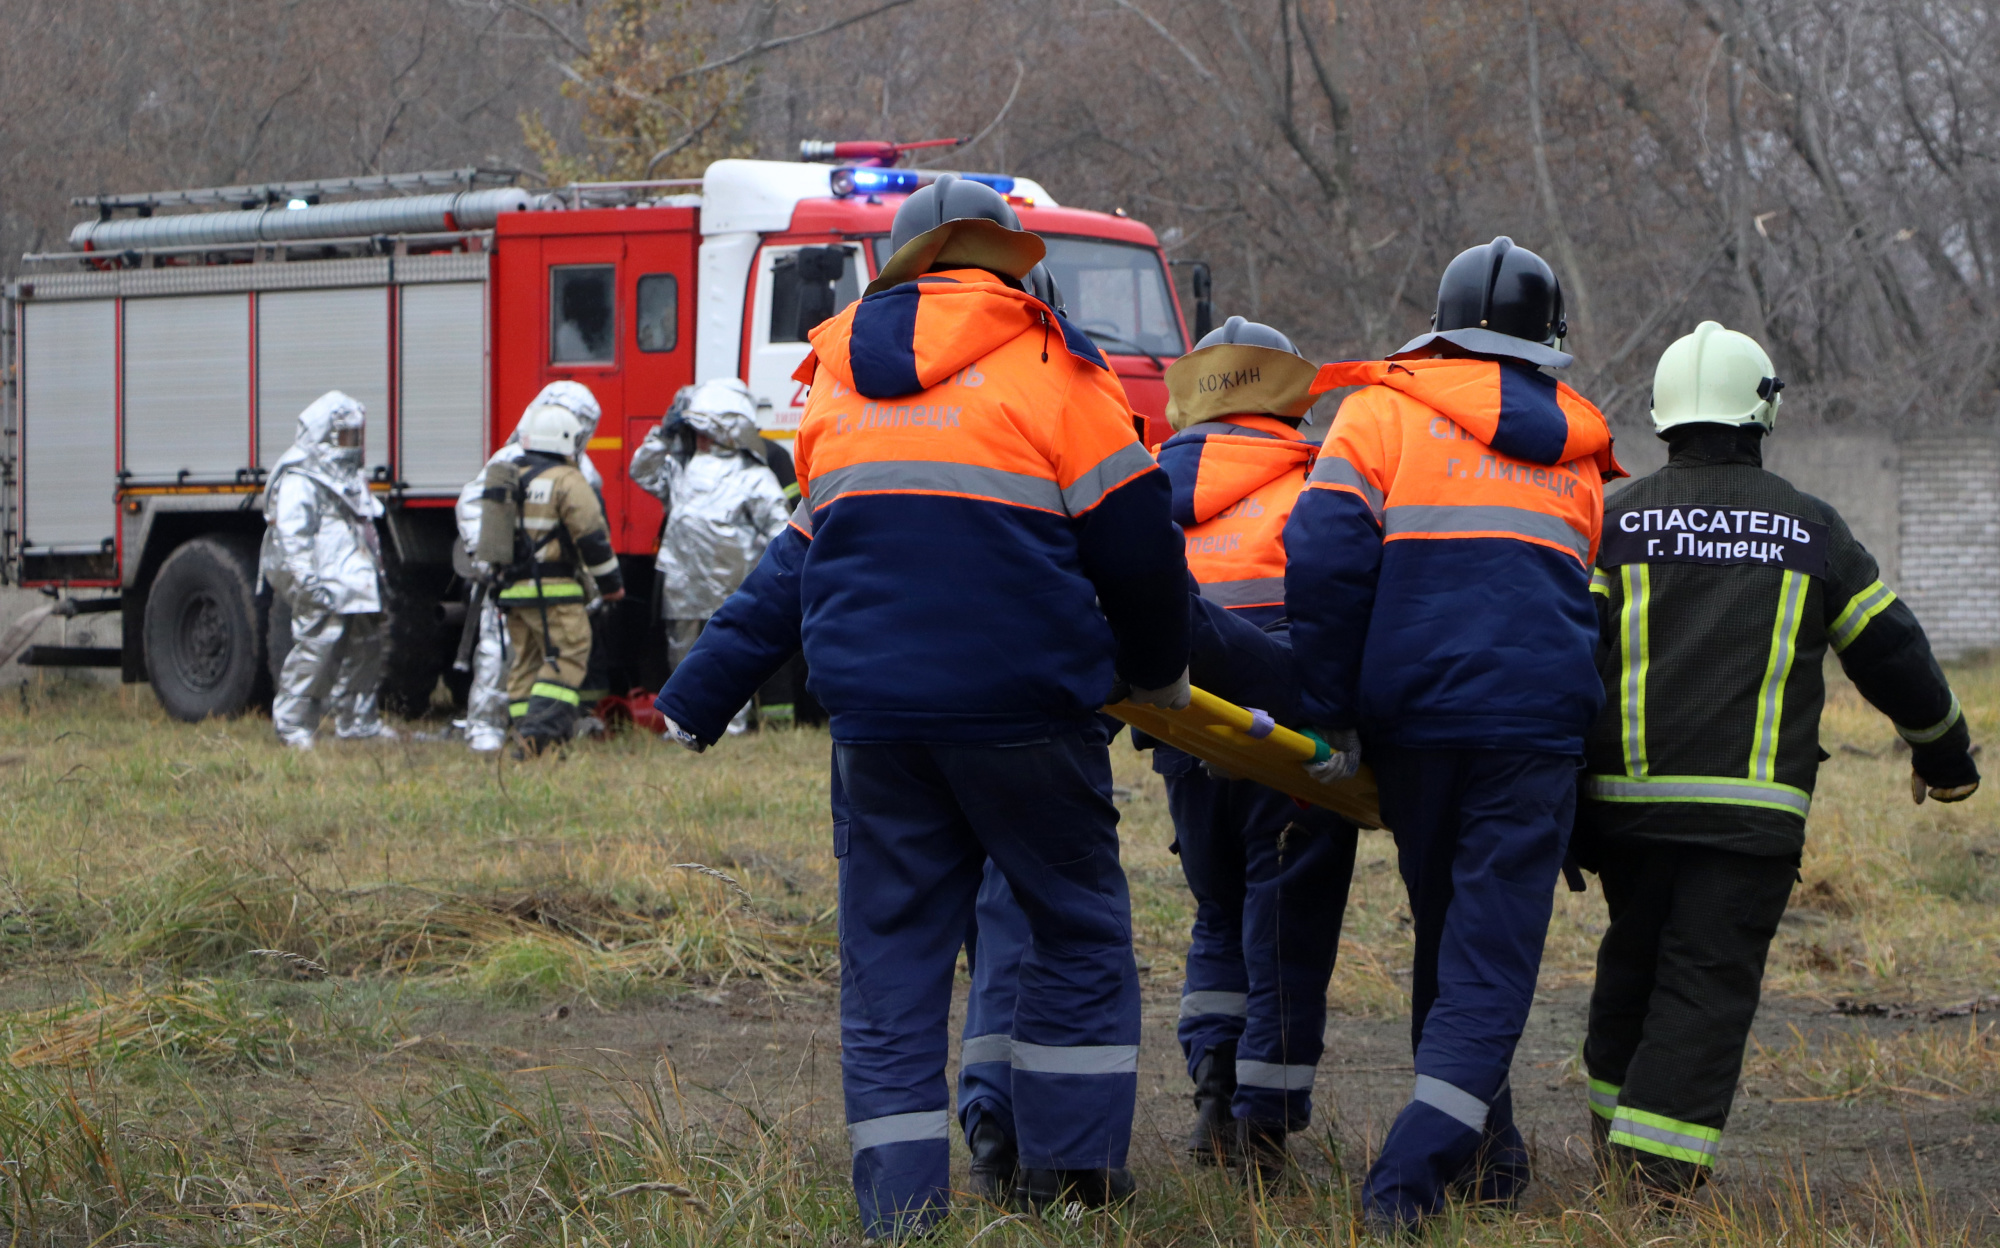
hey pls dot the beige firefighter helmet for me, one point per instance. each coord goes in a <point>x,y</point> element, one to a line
<point>1715,376</point>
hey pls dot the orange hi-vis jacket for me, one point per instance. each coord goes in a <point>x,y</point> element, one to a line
<point>983,548</point>
<point>1439,580</point>
<point>1235,481</point>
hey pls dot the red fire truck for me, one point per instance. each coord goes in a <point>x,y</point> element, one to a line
<point>155,371</point>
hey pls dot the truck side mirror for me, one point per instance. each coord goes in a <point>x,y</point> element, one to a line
<point>1204,308</point>
<point>817,269</point>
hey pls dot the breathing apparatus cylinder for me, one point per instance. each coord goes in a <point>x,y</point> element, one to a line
<point>499,513</point>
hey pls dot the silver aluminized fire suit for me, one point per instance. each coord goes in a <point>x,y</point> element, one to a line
<point>486,701</point>
<point>724,505</point>
<point>321,552</point>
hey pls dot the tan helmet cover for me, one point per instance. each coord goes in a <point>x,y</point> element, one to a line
<point>1231,378</point>
<point>962,243</point>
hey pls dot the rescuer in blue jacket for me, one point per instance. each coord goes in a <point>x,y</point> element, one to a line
<point>984,552</point>
<point>1269,878</point>
<point>1438,585</point>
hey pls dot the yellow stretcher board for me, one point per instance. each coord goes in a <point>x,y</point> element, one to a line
<point>1248,744</point>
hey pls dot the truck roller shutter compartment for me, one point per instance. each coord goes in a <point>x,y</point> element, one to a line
<point>70,415</point>
<point>187,387</point>
<point>443,375</point>
<point>313,341</point>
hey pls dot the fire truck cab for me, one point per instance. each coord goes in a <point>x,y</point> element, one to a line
<point>156,371</point>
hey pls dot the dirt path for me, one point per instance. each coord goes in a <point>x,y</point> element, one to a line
<point>745,1051</point>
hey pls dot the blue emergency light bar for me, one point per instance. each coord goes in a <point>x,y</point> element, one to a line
<point>867,181</point>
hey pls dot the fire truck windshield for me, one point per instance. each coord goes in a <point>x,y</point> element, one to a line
<point>1117,293</point>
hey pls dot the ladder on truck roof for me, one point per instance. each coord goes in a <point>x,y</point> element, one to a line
<point>251,195</point>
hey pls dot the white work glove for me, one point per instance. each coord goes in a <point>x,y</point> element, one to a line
<point>1342,757</point>
<point>1174,697</point>
<point>682,737</point>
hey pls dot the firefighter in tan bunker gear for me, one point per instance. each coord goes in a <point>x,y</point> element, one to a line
<point>322,555</point>
<point>486,717</point>
<point>561,546</point>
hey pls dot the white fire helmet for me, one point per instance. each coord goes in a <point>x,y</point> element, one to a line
<point>1715,376</point>
<point>551,429</point>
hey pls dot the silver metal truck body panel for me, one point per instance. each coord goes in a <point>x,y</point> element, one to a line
<point>187,388</point>
<point>219,279</point>
<point>69,442</point>
<point>313,341</point>
<point>442,415</point>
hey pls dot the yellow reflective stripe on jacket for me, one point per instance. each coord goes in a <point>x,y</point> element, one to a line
<point>561,693</point>
<point>1924,736</point>
<point>1714,790</point>
<point>1664,1136</point>
<point>1600,582</point>
<point>1854,617</point>
<point>1635,653</point>
<point>551,589</point>
<point>516,709</point>
<point>1777,671</point>
<point>1603,1098</point>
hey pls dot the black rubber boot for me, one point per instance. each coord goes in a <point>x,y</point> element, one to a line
<point>1214,1140</point>
<point>1262,1147</point>
<point>1092,1189</point>
<point>994,1161</point>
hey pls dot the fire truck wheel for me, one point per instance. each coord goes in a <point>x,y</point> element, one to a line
<point>204,630</point>
<point>415,654</point>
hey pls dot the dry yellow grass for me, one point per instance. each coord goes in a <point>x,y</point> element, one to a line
<point>137,845</point>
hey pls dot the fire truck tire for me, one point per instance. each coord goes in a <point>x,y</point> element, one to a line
<point>414,656</point>
<point>204,630</point>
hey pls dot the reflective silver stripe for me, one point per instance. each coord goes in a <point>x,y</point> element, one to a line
<point>1777,670</point>
<point>1255,591</point>
<point>925,1124</point>
<point>1451,1099</point>
<point>1600,582</point>
<point>1233,1004</point>
<point>1111,472</point>
<point>1440,520</point>
<point>1603,1099</point>
<point>993,1047</point>
<point>1333,470</point>
<point>1648,1132</point>
<point>937,477</point>
<point>599,569</point>
<point>1924,736</point>
<point>1076,1059</point>
<point>537,524</point>
<point>802,517</point>
<point>1855,616</point>
<point>1719,789</point>
<point>1637,581</point>
<point>1251,1074</point>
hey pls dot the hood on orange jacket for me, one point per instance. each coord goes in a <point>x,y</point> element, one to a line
<point>1217,464</point>
<point>1519,411</point>
<point>917,335</point>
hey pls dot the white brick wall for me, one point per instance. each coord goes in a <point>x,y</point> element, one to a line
<point>1950,573</point>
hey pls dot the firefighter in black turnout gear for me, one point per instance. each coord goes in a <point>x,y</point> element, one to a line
<point>1720,588</point>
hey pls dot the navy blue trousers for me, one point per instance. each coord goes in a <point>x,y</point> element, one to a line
<point>994,949</point>
<point>1480,837</point>
<point>1270,885</point>
<point>921,822</point>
